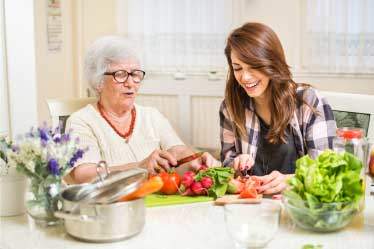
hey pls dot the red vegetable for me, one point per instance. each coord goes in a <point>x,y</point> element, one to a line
<point>188,192</point>
<point>206,182</point>
<point>171,182</point>
<point>197,188</point>
<point>250,187</point>
<point>235,186</point>
<point>188,178</point>
<point>250,192</point>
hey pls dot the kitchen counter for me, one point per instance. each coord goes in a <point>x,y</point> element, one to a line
<point>192,226</point>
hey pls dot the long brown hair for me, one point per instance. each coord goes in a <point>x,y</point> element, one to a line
<point>258,46</point>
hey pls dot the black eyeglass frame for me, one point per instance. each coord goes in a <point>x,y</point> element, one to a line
<point>128,74</point>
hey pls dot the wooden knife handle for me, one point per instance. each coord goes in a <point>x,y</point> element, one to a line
<point>189,158</point>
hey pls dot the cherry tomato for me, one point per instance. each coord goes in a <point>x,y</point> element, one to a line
<point>171,182</point>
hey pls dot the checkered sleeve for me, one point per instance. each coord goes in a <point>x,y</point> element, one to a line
<point>320,126</point>
<point>227,136</point>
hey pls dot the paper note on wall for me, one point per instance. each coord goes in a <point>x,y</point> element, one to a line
<point>54,26</point>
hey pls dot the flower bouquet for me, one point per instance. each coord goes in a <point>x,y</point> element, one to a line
<point>44,155</point>
<point>5,145</point>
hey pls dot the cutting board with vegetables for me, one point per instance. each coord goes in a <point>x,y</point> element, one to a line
<point>234,199</point>
<point>156,200</point>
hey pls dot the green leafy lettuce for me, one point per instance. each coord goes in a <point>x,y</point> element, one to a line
<point>329,184</point>
<point>220,176</point>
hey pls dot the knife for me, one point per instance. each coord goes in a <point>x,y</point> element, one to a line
<point>188,158</point>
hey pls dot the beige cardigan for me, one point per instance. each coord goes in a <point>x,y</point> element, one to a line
<point>151,131</point>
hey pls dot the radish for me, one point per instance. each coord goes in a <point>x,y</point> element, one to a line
<point>197,188</point>
<point>188,192</point>
<point>188,178</point>
<point>206,182</point>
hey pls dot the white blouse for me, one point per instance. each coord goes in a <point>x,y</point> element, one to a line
<point>151,131</point>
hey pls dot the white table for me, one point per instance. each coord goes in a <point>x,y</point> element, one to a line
<point>190,226</point>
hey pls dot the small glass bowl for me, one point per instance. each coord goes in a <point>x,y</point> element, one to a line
<point>326,217</point>
<point>252,225</point>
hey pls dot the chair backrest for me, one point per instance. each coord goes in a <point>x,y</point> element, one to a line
<point>353,110</point>
<point>61,108</point>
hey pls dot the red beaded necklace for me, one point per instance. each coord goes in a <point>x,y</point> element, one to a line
<point>131,129</point>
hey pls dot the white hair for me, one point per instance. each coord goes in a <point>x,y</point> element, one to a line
<point>103,52</point>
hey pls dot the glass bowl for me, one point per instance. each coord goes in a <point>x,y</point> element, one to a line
<point>252,225</point>
<point>323,217</point>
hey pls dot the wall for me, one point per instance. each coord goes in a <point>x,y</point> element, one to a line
<point>285,17</point>
<point>94,18</point>
<point>55,70</point>
<point>60,74</point>
<point>4,117</point>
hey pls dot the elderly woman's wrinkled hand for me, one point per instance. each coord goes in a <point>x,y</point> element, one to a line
<point>209,160</point>
<point>206,159</point>
<point>157,161</point>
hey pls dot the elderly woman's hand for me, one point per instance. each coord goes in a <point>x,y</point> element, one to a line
<point>205,159</point>
<point>158,160</point>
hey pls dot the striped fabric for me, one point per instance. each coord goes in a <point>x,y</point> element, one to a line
<point>312,132</point>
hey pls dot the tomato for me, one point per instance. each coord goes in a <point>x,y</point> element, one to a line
<point>249,192</point>
<point>350,133</point>
<point>250,187</point>
<point>171,182</point>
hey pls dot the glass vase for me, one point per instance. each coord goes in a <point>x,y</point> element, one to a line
<point>42,200</point>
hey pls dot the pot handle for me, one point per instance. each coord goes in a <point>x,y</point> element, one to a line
<point>78,217</point>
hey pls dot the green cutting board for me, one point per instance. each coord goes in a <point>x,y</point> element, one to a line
<point>156,200</point>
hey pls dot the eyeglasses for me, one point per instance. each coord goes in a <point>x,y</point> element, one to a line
<point>121,75</point>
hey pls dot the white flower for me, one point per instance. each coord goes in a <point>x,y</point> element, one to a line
<point>53,190</point>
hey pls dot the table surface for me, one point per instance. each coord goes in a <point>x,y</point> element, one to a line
<point>198,225</point>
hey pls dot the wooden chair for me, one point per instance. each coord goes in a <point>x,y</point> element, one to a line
<point>353,110</point>
<point>61,108</point>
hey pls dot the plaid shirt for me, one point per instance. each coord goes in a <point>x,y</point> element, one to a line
<point>312,132</point>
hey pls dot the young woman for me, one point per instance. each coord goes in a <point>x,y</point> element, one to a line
<point>267,120</point>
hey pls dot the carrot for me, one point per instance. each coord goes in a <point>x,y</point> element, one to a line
<point>153,184</point>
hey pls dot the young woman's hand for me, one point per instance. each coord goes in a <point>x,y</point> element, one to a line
<point>243,162</point>
<point>158,160</point>
<point>273,183</point>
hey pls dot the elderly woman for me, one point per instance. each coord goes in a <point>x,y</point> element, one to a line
<point>117,130</point>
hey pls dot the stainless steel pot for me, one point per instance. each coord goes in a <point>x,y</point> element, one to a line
<point>92,214</point>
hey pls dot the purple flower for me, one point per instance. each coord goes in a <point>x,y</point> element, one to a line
<point>15,148</point>
<point>65,138</point>
<point>44,143</point>
<point>43,134</point>
<point>53,167</point>
<point>77,155</point>
<point>57,138</point>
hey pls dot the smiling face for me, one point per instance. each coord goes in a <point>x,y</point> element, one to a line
<point>253,81</point>
<point>120,95</point>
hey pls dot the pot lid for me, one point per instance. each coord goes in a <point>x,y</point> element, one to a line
<point>110,187</point>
